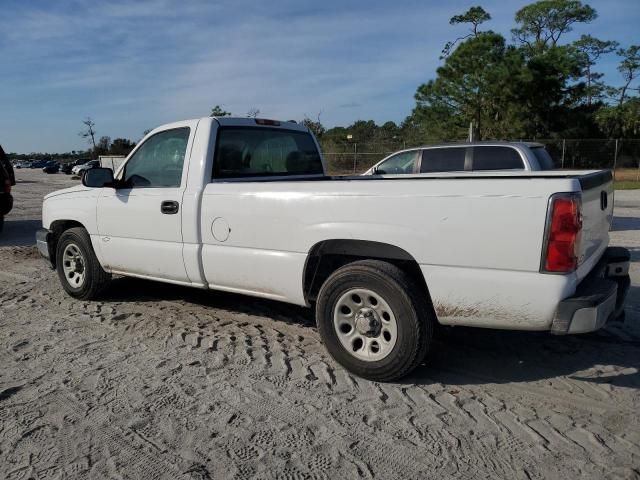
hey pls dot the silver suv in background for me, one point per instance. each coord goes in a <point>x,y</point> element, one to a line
<point>460,157</point>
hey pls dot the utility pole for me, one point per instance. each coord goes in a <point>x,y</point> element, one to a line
<point>355,157</point>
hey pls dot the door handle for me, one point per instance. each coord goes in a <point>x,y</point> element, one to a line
<point>169,207</point>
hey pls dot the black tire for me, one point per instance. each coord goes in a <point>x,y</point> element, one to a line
<point>95,278</point>
<point>413,315</point>
<point>1,223</point>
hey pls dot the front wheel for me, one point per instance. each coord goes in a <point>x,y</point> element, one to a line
<point>78,268</point>
<point>374,320</point>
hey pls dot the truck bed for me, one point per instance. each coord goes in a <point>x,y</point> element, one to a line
<point>586,178</point>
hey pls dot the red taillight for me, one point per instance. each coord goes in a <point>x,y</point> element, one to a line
<point>563,235</point>
<point>7,186</point>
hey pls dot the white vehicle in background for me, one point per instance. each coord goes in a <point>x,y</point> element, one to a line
<point>465,157</point>
<point>243,205</point>
<point>80,169</point>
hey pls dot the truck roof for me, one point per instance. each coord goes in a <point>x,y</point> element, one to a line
<point>480,143</point>
<point>260,122</point>
<point>235,122</point>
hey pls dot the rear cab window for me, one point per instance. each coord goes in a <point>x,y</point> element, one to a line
<point>445,159</point>
<point>496,158</point>
<point>255,152</point>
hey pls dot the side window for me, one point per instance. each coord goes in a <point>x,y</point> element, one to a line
<point>443,160</point>
<point>158,162</point>
<point>244,152</point>
<point>496,158</point>
<point>404,162</point>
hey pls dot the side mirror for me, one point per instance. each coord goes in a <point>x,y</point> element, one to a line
<point>98,177</point>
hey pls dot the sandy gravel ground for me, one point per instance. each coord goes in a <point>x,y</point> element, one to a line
<point>162,382</point>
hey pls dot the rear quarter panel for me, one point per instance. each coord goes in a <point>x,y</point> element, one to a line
<point>478,241</point>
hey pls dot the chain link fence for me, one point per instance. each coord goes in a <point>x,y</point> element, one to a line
<point>621,155</point>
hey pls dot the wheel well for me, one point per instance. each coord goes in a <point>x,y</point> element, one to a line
<point>57,228</point>
<point>327,256</point>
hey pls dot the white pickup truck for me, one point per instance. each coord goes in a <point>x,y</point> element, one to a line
<point>244,205</point>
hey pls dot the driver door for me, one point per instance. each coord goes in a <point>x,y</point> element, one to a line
<point>140,223</point>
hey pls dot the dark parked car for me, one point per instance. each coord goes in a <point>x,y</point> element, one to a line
<point>4,161</point>
<point>6,199</point>
<point>38,164</point>
<point>7,180</point>
<point>51,167</point>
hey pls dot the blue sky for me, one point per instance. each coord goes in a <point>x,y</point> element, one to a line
<point>133,65</point>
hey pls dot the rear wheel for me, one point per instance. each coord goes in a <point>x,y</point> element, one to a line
<point>374,320</point>
<point>79,271</point>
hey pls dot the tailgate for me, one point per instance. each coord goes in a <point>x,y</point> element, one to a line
<point>597,215</point>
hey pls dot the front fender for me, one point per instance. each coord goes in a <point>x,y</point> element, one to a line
<point>79,206</point>
<point>68,209</point>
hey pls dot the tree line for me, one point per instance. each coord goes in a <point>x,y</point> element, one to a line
<point>537,85</point>
<point>102,145</point>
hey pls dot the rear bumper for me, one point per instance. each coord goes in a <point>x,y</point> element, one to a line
<point>599,298</point>
<point>43,237</point>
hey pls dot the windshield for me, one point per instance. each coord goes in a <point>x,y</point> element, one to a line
<point>543,157</point>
